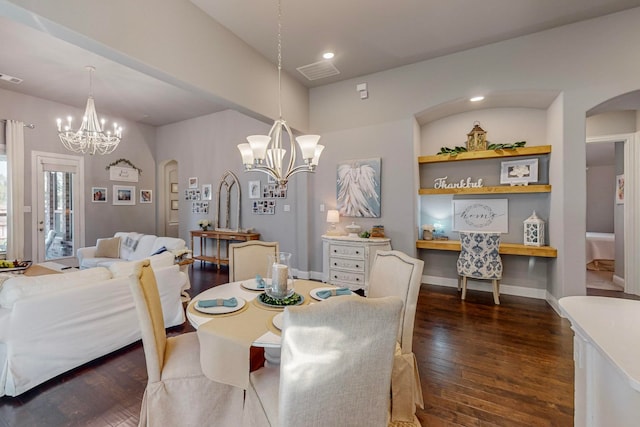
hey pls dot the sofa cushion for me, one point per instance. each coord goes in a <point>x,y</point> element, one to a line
<point>171,243</point>
<point>159,251</point>
<point>108,248</point>
<point>124,269</point>
<point>24,286</point>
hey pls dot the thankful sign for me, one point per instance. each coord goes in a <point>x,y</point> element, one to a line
<point>441,183</point>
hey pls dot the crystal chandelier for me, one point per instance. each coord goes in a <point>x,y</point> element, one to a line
<point>265,153</point>
<point>89,138</point>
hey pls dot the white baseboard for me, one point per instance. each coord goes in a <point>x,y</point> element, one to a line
<point>478,285</point>
<point>617,280</point>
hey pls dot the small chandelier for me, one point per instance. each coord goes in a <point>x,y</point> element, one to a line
<point>89,138</point>
<point>265,153</point>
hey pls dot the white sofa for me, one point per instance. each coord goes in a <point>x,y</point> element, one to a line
<point>133,247</point>
<point>53,323</point>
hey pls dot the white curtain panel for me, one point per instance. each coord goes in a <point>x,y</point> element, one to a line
<point>15,190</point>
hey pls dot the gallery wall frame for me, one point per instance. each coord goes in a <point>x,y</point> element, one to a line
<point>146,196</point>
<point>124,195</point>
<point>193,182</point>
<point>254,189</point>
<point>206,192</point>
<point>481,215</point>
<point>99,194</point>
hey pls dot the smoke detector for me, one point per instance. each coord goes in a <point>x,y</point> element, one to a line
<point>11,79</point>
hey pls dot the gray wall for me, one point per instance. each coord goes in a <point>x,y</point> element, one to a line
<point>600,198</point>
<point>584,79</point>
<point>101,219</point>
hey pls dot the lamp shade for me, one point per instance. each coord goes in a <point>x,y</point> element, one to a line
<point>307,145</point>
<point>258,144</point>
<point>316,156</point>
<point>333,216</point>
<point>246,153</point>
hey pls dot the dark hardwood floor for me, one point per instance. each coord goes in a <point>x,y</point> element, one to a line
<point>480,365</point>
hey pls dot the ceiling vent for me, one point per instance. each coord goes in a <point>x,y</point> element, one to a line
<point>318,70</point>
<point>10,78</point>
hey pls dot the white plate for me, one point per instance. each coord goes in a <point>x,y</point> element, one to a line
<point>277,320</point>
<point>252,284</point>
<point>314,292</point>
<point>220,309</point>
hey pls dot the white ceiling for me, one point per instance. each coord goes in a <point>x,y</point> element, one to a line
<point>366,35</point>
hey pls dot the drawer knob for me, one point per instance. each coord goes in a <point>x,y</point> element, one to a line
<point>335,276</point>
<point>358,252</point>
<point>357,266</point>
<point>357,279</point>
<point>335,263</point>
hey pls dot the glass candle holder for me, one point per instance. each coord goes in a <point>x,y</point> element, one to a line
<point>280,285</point>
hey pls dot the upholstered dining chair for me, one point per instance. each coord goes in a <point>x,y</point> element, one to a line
<point>249,258</point>
<point>337,358</point>
<point>177,392</point>
<point>395,273</point>
<point>480,259</point>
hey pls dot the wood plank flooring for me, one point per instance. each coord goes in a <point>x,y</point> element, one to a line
<point>480,365</point>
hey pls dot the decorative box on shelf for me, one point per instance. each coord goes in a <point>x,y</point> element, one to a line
<point>533,231</point>
<point>346,261</point>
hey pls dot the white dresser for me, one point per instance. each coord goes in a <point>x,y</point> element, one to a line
<point>346,261</point>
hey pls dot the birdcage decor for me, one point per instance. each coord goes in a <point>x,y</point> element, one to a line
<point>533,231</point>
<point>477,138</point>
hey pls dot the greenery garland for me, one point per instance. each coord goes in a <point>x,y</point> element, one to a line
<point>459,149</point>
<point>124,161</point>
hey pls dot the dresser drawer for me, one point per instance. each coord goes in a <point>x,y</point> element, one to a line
<point>347,263</point>
<point>345,276</point>
<point>348,251</point>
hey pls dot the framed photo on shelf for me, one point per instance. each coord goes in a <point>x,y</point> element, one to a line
<point>124,195</point>
<point>99,194</point>
<point>145,196</point>
<point>519,172</point>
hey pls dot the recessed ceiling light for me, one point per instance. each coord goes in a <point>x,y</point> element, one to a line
<point>328,55</point>
<point>476,98</point>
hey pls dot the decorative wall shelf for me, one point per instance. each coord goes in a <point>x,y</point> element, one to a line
<point>487,154</point>
<point>501,189</point>
<point>505,248</point>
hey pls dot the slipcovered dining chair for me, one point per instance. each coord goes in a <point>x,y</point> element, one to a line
<point>394,273</point>
<point>247,259</point>
<point>177,392</point>
<point>337,358</point>
<point>480,259</point>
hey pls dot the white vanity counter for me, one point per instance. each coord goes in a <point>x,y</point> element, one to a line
<point>607,359</point>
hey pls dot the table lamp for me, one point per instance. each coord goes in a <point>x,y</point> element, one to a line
<point>333,217</point>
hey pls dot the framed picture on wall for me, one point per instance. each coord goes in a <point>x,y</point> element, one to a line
<point>619,189</point>
<point>206,192</point>
<point>358,188</point>
<point>481,215</point>
<point>254,189</point>
<point>145,196</point>
<point>193,182</point>
<point>99,194</point>
<point>124,195</point>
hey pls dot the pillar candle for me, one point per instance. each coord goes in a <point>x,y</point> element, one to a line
<point>279,278</point>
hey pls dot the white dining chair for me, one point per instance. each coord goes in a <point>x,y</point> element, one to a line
<point>337,359</point>
<point>480,260</point>
<point>177,392</point>
<point>395,273</point>
<point>247,259</point>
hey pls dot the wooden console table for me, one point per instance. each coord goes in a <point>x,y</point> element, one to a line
<point>218,236</point>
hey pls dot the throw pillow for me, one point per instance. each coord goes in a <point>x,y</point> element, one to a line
<point>159,251</point>
<point>108,248</point>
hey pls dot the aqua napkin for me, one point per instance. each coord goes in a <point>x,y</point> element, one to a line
<point>259,281</point>
<point>333,292</point>
<point>218,302</point>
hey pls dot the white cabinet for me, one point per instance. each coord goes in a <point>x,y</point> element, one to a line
<point>347,261</point>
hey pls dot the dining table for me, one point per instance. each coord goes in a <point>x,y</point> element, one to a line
<point>226,334</point>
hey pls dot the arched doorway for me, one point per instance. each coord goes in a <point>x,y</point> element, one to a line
<point>168,199</point>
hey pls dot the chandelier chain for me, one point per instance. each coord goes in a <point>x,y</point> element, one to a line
<point>279,59</point>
